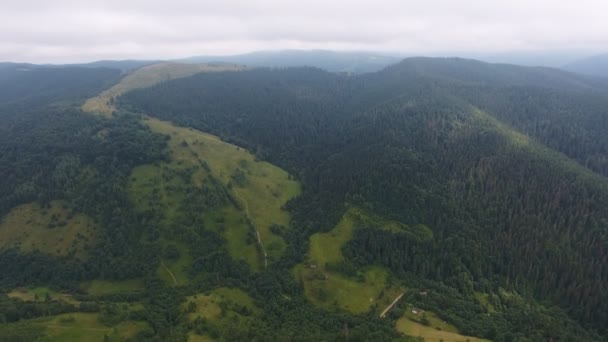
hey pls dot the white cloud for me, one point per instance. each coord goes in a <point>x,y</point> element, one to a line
<point>76,30</point>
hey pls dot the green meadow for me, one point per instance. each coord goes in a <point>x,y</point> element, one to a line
<point>435,329</point>
<point>54,230</point>
<point>334,291</point>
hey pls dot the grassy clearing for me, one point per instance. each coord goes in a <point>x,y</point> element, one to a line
<point>219,303</point>
<point>192,337</point>
<point>103,287</point>
<point>436,330</point>
<point>222,308</point>
<point>334,291</point>
<point>240,241</point>
<point>148,76</point>
<point>39,294</point>
<point>84,327</point>
<point>54,230</point>
<point>368,220</point>
<point>259,191</point>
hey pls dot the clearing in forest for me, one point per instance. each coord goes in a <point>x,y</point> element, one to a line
<point>53,230</point>
<point>106,287</point>
<point>86,327</point>
<point>331,289</point>
<point>434,330</point>
<point>221,308</point>
<point>40,294</point>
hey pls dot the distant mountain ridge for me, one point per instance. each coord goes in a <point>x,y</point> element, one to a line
<point>594,66</point>
<point>333,61</point>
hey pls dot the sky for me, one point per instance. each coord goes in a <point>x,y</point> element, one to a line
<point>67,31</point>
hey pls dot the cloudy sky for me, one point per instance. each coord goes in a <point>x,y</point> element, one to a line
<point>84,30</point>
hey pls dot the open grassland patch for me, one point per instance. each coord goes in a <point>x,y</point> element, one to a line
<point>53,230</point>
<point>148,76</point>
<point>241,243</point>
<point>105,287</point>
<point>77,327</point>
<point>192,337</point>
<point>332,290</point>
<point>434,330</point>
<point>86,327</point>
<point>41,294</point>
<point>217,310</point>
<point>217,303</point>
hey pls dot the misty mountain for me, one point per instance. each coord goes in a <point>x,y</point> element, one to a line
<point>334,61</point>
<point>29,85</point>
<point>594,66</point>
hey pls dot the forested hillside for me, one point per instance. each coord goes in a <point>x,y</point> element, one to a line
<point>445,199</point>
<point>477,152</point>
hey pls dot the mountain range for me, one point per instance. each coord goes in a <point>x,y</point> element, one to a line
<point>252,198</point>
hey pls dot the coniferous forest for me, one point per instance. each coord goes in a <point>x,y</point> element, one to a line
<point>484,188</point>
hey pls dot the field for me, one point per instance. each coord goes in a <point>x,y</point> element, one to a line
<point>103,287</point>
<point>209,306</point>
<point>222,308</point>
<point>54,230</point>
<point>85,327</point>
<point>436,330</point>
<point>71,327</point>
<point>148,76</point>
<point>240,242</point>
<point>39,294</point>
<point>332,290</point>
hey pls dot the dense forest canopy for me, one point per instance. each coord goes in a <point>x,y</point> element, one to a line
<point>494,179</point>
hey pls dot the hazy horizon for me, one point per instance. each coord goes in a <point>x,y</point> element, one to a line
<point>68,31</point>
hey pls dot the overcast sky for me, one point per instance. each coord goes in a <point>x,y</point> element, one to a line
<point>84,30</point>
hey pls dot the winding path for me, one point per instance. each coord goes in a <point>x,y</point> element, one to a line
<point>388,308</point>
<point>257,232</point>
<point>170,273</point>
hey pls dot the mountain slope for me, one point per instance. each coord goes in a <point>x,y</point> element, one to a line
<point>24,86</point>
<point>430,141</point>
<point>443,197</point>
